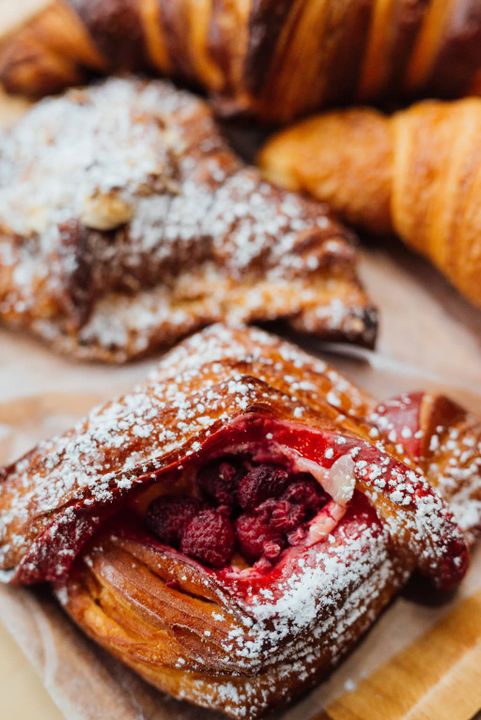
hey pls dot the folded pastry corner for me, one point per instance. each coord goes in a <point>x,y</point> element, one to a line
<point>126,222</point>
<point>230,528</point>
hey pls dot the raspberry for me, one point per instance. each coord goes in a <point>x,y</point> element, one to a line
<point>265,531</point>
<point>273,513</point>
<point>167,517</point>
<point>307,493</point>
<point>297,536</point>
<point>272,550</point>
<point>218,481</point>
<point>253,535</point>
<point>281,514</point>
<point>209,537</point>
<point>260,483</point>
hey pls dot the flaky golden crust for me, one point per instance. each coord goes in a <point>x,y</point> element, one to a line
<point>126,222</point>
<point>195,637</point>
<point>275,58</point>
<point>344,157</point>
<point>416,173</point>
<point>239,365</point>
<point>240,640</point>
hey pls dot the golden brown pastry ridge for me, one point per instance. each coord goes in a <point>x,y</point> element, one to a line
<point>242,637</point>
<point>126,222</point>
<point>416,173</point>
<point>275,58</point>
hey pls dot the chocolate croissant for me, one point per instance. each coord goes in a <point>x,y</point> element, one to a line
<point>416,173</point>
<point>230,528</point>
<point>275,59</point>
<point>126,222</point>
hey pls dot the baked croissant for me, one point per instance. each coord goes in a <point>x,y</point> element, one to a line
<point>416,173</point>
<point>126,222</point>
<point>275,59</point>
<point>232,526</point>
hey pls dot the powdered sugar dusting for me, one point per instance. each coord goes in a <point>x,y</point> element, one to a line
<point>209,379</point>
<point>318,615</point>
<point>319,598</point>
<point>446,442</point>
<point>212,378</point>
<point>127,222</point>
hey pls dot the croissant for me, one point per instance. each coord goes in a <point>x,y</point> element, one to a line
<point>230,528</point>
<point>274,59</point>
<point>126,222</point>
<point>416,173</point>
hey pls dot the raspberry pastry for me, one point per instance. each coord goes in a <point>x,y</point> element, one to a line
<point>126,222</point>
<point>231,528</point>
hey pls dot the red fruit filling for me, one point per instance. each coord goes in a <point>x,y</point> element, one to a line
<point>306,492</point>
<point>168,516</point>
<point>255,508</point>
<point>209,537</point>
<point>260,483</point>
<point>218,481</point>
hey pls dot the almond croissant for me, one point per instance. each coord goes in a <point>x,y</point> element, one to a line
<point>416,173</point>
<point>275,58</point>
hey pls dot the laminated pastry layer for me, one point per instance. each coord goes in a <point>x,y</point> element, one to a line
<point>223,639</point>
<point>126,223</point>
<point>276,59</point>
<point>415,173</point>
<point>231,527</point>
